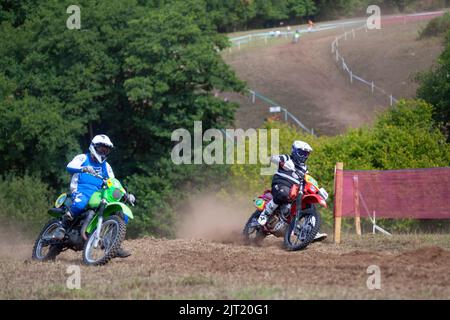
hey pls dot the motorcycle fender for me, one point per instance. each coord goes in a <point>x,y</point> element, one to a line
<point>56,212</point>
<point>118,207</point>
<point>110,209</point>
<point>314,198</point>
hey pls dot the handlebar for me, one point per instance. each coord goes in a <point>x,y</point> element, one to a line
<point>100,177</point>
<point>104,181</point>
<point>97,176</point>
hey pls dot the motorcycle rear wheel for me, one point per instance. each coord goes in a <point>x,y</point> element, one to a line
<point>299,236</point>
<point>39,247</point>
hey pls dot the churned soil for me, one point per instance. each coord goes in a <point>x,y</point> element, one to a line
<point>411,267</point>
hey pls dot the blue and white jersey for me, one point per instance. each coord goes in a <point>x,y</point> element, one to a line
<point>85,182</point>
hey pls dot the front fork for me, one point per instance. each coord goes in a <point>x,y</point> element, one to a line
<point>298,203</point>
<point>99,223</point>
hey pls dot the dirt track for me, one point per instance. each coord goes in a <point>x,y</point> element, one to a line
<point>394,64</point>
<point>306,80</point>
<point>411,267</point>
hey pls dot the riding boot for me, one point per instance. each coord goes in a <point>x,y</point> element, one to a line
<point>285,211</point>
<point>66,219</point>
<point>122,253</point>
<point>320,237</point>
<point>268,210</point>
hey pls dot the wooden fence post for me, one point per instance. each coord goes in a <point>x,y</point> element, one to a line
<point>356,205</point>
<point>338,190</point>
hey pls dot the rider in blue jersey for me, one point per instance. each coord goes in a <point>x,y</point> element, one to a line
<point>83,184</point>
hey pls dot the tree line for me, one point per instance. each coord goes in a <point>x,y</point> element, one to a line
<point>134,71</point>
<point>237,15</point>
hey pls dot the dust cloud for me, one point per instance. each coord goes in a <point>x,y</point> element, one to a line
<point>14,243</point>
<point>211,218</point>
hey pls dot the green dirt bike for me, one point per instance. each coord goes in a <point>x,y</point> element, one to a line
<point>99,231</point>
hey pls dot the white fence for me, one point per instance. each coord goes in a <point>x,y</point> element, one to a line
<point>265,36</point>
<point>287,115</point>
<point>237,42</point>
<point>247,39</point>
<point>352,76</point>
<point>352,34</point>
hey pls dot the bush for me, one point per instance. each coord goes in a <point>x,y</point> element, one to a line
<point>435,88</point>
<point>437,27</point>
<point>153,215</point>
<point>25,201</point>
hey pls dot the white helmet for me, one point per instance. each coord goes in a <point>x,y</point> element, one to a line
<point>100,147</point>
<point>300,151</point>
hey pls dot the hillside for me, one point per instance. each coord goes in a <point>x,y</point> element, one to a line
<point>306,80</point>
<point>393,56</point>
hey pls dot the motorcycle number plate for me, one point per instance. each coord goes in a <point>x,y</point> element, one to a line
<point>59,202</point>
<point>311,180</point>
<point>260,203</point>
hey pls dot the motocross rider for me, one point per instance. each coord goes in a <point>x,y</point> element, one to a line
<point>83,184</point>
<point>290,174</point>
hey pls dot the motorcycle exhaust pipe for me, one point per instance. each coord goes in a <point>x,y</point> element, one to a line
<point>86,223</point>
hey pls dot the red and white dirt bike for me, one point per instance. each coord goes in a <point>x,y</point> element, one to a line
<point>299,227</point>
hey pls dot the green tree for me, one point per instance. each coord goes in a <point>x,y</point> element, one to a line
<point>230,15</point>
<point>300,9</point>
<point>136,70</point>
<point>134,73</point>
<point>435,88</point>
<point>15,12</point>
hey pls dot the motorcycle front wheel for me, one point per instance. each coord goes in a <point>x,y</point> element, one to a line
<point>112,234</point>
<point>253,235</point>
<point>299,235</point>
